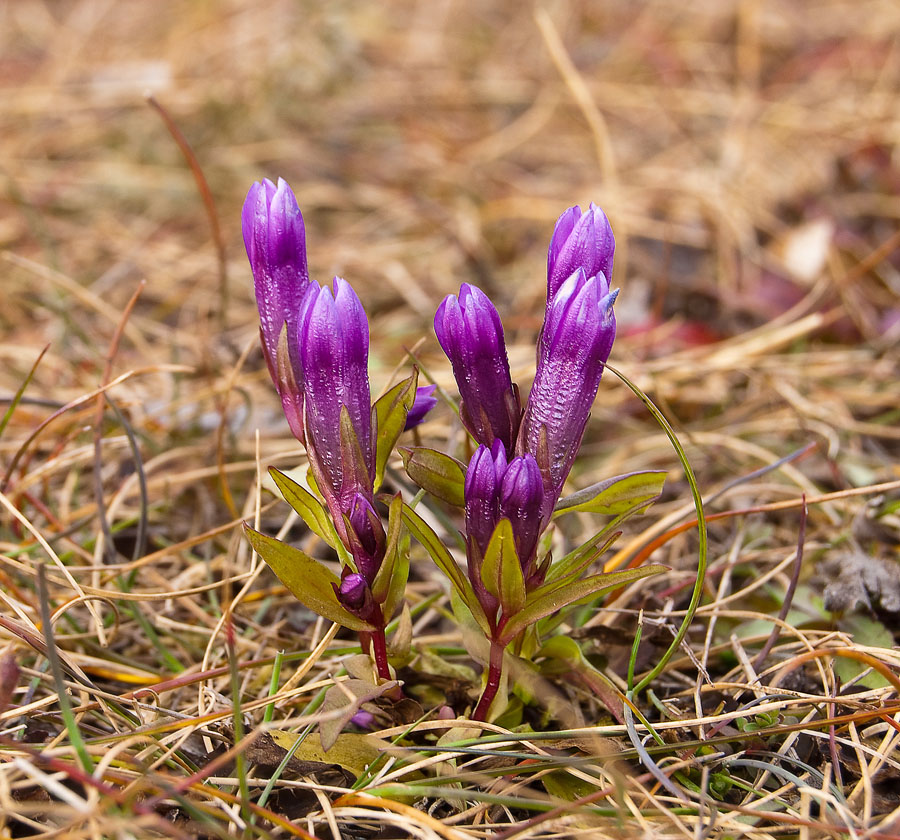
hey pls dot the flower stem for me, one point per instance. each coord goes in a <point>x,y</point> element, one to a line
<point>379,651</point>
<point>495,668</point>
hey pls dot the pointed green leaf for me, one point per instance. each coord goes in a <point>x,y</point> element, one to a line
<point>390,418</point>
<point>308,581</point>
<point>501,571</point>
<point>423,532</point>
<point>616,495</point>
<point>389,586</point>
<point>559,597</point>
<point>439,474</point>
<point>575,563</point>
<point>355,471</point>
<point>308,507</point>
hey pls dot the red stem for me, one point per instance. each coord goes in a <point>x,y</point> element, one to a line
<point>495,668</point>
<point>379,651</point>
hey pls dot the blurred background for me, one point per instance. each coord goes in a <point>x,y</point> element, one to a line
<point>745,152</point>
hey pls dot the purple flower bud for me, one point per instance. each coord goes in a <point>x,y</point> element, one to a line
<point>366,536</point>
<point>423,403</point>
<point>364,720</point>
<point>353,590</point>
<point>521,501</point>
<point>579,328</point>
<point>334,350</point>
<point>482,492</point>
<point>580,240</point>
<point>275,239</point>
<point>355,595</point>
<point>470,333</point>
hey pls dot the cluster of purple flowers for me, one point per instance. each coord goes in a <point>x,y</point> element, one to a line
<point>316,343</point>
<point>518,471</point>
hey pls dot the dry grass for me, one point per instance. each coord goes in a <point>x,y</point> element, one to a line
<point>746,153</point>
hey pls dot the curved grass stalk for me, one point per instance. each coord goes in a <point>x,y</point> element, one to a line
<point>701,532</point>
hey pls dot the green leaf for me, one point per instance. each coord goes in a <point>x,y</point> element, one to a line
<point>867,632</point>
<point>355,471</point>
<point>308,507</point>
<point>390,418</point>
<point>561,596</point>
<point>617,495</point>
<point>501,571</point>
<point>351,750</point>
<point>439,474</point>
<point>423,532</point>
<point>562,785</point>
<point>389,585</point>
<point>574,563</point>
<point>308,581</point>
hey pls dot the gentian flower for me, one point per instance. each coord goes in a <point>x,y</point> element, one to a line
<point>423,403</point>
<point>470,333</point>
<point>482,493</point>
<point>275,239</point>
<point>580,240</point>
<point>496,489</point>
<point>334,352</point>
<point>576,339</point>
<point>521,502</point>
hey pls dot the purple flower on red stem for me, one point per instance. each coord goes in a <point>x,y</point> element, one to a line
<point>423,403</point>
<point>580,240</point>
<point>470,333</point>
<point>275,239</point>
<point>354,593</point>
<point>496,489</point>
<point>576,339</point>
<point>334,350</point>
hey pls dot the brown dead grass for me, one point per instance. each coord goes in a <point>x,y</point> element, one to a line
<point>746,154</point>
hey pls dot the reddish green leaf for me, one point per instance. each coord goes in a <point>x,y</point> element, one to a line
<point>422,531</point>
<point>389,586</point>
<point>308,581</point>
<point>355,471</point>
<point>501,571</point>
<point>308,507</point>
<point>561,596</point>
<point>439,474</point>
<point>617,495</point>
<point>390,413</point>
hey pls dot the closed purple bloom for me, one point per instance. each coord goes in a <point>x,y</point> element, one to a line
<point>366,536</point>
<point>352,591</point>
<point>355,595</point>
<point>470,333</point>
<point>482,492</point>
<point>578,333</point>
<point>580,240</point>
<point>334,349</point>
<point>423,403</point>
<point>275,239</point>
<point>496,489</point>
<point>521,501</point>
